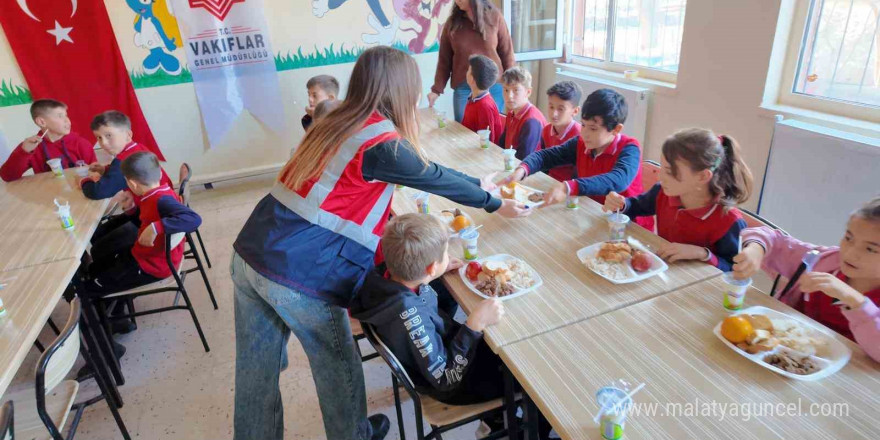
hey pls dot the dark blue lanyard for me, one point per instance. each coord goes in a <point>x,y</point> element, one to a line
<point>64,151</point>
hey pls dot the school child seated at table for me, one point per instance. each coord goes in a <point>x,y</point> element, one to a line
<point>113,131</point>
<point>480,112</point>
<point>445,359</point>
<point>321,88</point>
<point>842,291</point>
<point>158,214</point>
<point>703,177</point>
<point>605,160</point>
<point>524,122</point>
<point>563,107</point>
<point>56,142</point>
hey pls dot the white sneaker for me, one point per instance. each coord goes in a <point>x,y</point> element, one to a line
<point>483,430</point>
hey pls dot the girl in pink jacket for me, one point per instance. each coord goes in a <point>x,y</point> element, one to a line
<point>842,291</point>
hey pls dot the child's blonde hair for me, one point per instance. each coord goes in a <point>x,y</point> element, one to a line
<point>869,211</point>
<point>412,242</point>
<point>704,150</point>
<point>517,75</point>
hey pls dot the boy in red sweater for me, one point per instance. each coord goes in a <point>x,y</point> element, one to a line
<point>522,128</point>
<point>563,107</point>
<point>56,141</point>
<point>481,112</point>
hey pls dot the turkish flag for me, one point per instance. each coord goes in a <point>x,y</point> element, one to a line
<point>67,51</point>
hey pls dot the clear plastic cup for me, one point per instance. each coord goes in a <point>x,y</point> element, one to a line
<point>484,138</point>
<point>422,202</point>
<point>509,159</point>
<point>55,166</point>
<point>82,168</point>
<point>614,405</point>
<point>64,214</point>
<point>469,238</point>
<point>617,222</point>
<point>734,291</point>
<point>572,202</point>
<point>441,119</point>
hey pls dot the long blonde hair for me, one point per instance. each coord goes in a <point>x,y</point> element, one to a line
<point>384,80</point>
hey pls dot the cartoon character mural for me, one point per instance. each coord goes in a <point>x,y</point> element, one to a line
<point>426,16</point>
<point>156,30</point>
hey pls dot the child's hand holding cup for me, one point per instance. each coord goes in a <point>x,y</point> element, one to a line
<point>748,262</point>
<point>614,202</point>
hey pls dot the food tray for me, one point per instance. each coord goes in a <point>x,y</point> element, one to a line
<point>657,264</point>
<point>501,257</point>
<point>497,193</point>
<point>833,358</point>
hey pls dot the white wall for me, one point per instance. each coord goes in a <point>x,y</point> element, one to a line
<point>725,55</point>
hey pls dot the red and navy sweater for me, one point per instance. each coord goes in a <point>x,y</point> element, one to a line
<point>161,209</point>
<point>712,227</point>
<point>70,149</point>
<point>551,138</point>
<point>522,130</point>
<point>112,181</point>
<point>481,113</point>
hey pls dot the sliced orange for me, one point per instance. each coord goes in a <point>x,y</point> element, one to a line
<point>736,329</point>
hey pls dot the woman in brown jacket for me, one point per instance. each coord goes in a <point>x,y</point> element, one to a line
<point>475,27</point>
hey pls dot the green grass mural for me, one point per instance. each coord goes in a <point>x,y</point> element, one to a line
<point>11,94</point>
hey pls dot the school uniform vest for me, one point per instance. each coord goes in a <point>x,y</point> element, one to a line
<point>152,259</point>
<point>515,121</point>
<point>700,227</point>
<point>481,113</point>
<point>550,140</point>
<point>135,147</point>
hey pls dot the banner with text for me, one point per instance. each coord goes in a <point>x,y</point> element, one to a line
<point>231,61</point>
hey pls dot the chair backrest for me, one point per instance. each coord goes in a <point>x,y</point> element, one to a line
<point>650,174</point>
<point>183,183</point>
<point>389,357</point>
<point>7,427</point>
<point>55,363</point>
<point>756,221</point>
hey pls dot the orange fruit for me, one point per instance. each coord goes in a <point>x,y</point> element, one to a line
<point>460,222</point>
<point>736,329</point>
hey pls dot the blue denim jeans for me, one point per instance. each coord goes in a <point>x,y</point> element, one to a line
<point>265,315</point>
<point>461,93</point>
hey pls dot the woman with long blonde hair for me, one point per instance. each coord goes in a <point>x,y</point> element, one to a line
<point>309,243</point>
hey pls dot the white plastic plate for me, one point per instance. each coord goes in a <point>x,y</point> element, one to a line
<point>833,357</point>
<point>497,193</point>
<point>443,219</point>
<point>657,264</point>
<point>501,257</point>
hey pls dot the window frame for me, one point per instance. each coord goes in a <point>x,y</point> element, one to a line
<point>616,66</point>
<point>792,35</point>
<point>507,8</point>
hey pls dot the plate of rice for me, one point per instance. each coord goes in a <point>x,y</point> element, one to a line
<point>613,261</point>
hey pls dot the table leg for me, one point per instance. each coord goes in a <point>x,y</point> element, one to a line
<point>531,417</point>
<point>104,344</point>
<point>510,386</point>
<point>98,363</point>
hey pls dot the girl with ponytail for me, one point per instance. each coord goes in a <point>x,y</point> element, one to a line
<point>703,178</point>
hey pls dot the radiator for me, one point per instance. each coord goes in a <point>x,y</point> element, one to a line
<point>636,99</point>
<point>816,177</point>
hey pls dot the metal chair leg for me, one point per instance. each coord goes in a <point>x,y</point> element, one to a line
<point>202,244</point>
<point>99,363</point>
<point>53,326</point>
<point>201,269</point>
<point>397,407</point>
<point>105,392</point>
<point>192,313</point>
<point>103,340</point>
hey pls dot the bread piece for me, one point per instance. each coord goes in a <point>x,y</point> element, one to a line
<point>760,322</point>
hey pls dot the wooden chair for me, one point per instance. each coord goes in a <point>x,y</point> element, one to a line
<point>43,411</point>
<point>183,188</point>
<point>7,427</point>
<point>174,283</point>
<point>440,416</point>
<point>756,221</point>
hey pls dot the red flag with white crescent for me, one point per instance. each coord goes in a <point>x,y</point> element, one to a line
<point>67,51</point>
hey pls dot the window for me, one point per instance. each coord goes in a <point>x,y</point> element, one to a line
<point>839,52</point>
<point>641,33</point>
<point>535,28</point>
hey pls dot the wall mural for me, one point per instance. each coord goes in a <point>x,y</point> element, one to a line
<point>150,40</point>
